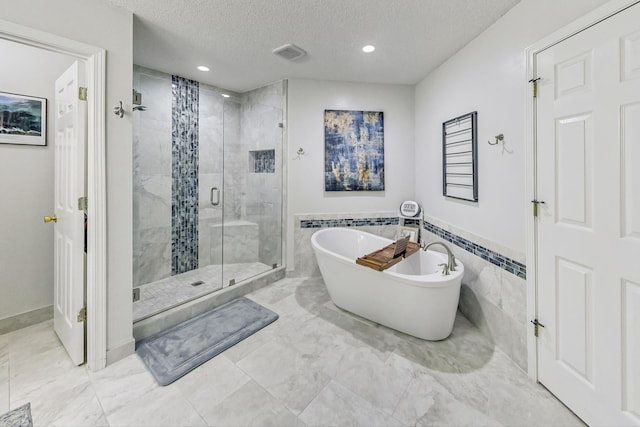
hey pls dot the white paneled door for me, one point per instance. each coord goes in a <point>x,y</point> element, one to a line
<point>69,147</point>
<point>588,229</point>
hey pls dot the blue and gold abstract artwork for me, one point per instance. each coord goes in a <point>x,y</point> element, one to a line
<point>353,150</point>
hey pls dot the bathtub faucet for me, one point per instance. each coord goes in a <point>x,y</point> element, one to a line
<point>451,263</point>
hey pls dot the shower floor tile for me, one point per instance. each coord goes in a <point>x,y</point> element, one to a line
<point>170,292</point>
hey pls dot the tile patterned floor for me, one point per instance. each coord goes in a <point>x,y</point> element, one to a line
<point>316,365</point>
<point>172,291</point>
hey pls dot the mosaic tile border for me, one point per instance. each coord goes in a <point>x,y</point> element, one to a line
<point>184,174</point>
<point>347,222</point>
<point>514,267</point>
<point>499,260</point>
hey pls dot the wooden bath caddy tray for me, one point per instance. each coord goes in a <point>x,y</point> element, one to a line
<point>389,255</point>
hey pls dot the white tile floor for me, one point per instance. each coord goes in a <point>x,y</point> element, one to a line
<point>316,365</point>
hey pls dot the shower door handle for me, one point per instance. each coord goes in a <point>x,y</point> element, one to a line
<point>215,190</point>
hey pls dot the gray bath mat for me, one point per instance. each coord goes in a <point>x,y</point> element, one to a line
<point>19,417</point>
<point>172,353</point>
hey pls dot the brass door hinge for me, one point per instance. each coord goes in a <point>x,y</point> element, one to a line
<point>536,324</point>
<point>82,93</point>
<point>535,206</point>
<point>535,86</point>
<point>82,315</point>
<point>82,203</point>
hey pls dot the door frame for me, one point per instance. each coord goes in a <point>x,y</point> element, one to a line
<point>94,59</point>
<point>590,19</point>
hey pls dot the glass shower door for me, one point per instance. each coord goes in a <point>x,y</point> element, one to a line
<point>210,177</point>
<point>252,236</point>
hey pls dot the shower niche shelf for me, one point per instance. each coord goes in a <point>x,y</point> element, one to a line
<point>262,161</point>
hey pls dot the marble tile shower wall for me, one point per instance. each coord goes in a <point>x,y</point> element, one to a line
<point>152,178</point>
<point>262,112</point>
<point>248,196</point>
<point>216,120</point>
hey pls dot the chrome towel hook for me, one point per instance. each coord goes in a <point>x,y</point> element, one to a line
<point>299,154</point>
<point>499,138</point>
<point>118,110</point>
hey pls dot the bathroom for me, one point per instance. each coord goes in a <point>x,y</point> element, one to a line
<point>487,75</point>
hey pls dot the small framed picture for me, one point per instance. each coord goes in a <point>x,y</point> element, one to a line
<point>412,232</point>
<point>23,119</point>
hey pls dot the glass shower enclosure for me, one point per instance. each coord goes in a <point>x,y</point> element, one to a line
<point>208,188</point>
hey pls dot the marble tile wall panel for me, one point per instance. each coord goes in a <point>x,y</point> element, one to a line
<point>152,151</point>
<point>151,255</point>
<point>273,95</point>
<point>262,112</point>
<point>209,214</point>
<point>493,298</point>
<point>305,225</point>
<point>235,164</point>
<point>152,177</point>
<point>264,207</point>
<point>211,158</point>
<point>185,166</point>
<point>240,243</point>
<point>211,131</point>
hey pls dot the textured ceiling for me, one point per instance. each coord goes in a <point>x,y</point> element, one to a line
<point>234,38</point>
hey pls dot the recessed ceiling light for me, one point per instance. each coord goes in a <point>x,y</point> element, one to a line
<point>368,48</point>
<point>224,95</point>
<point>203,68</point>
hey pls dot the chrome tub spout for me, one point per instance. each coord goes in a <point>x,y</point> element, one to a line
<point>451,263</point>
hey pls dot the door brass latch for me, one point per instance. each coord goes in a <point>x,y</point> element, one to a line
<point>51,218</point>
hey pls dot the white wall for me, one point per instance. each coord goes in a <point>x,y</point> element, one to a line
<point>26,187</point>
<point>99,24</point>
<point>305,124</point>
<point>487,76</point>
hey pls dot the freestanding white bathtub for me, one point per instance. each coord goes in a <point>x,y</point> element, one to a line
<point>413,296</point>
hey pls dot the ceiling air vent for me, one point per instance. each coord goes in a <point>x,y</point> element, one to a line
<point>289,52</point>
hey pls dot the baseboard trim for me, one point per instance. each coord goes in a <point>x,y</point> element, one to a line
<point>121,351</point>
<point>23,320</point>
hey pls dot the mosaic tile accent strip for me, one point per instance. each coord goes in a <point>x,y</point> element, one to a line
<point>499,260</point>
<point>505,263</point>
<point>264,161</point>
<point>184,175</point>
<point>347,222</point>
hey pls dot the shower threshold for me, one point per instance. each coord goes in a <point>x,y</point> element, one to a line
<point>165,294</point>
